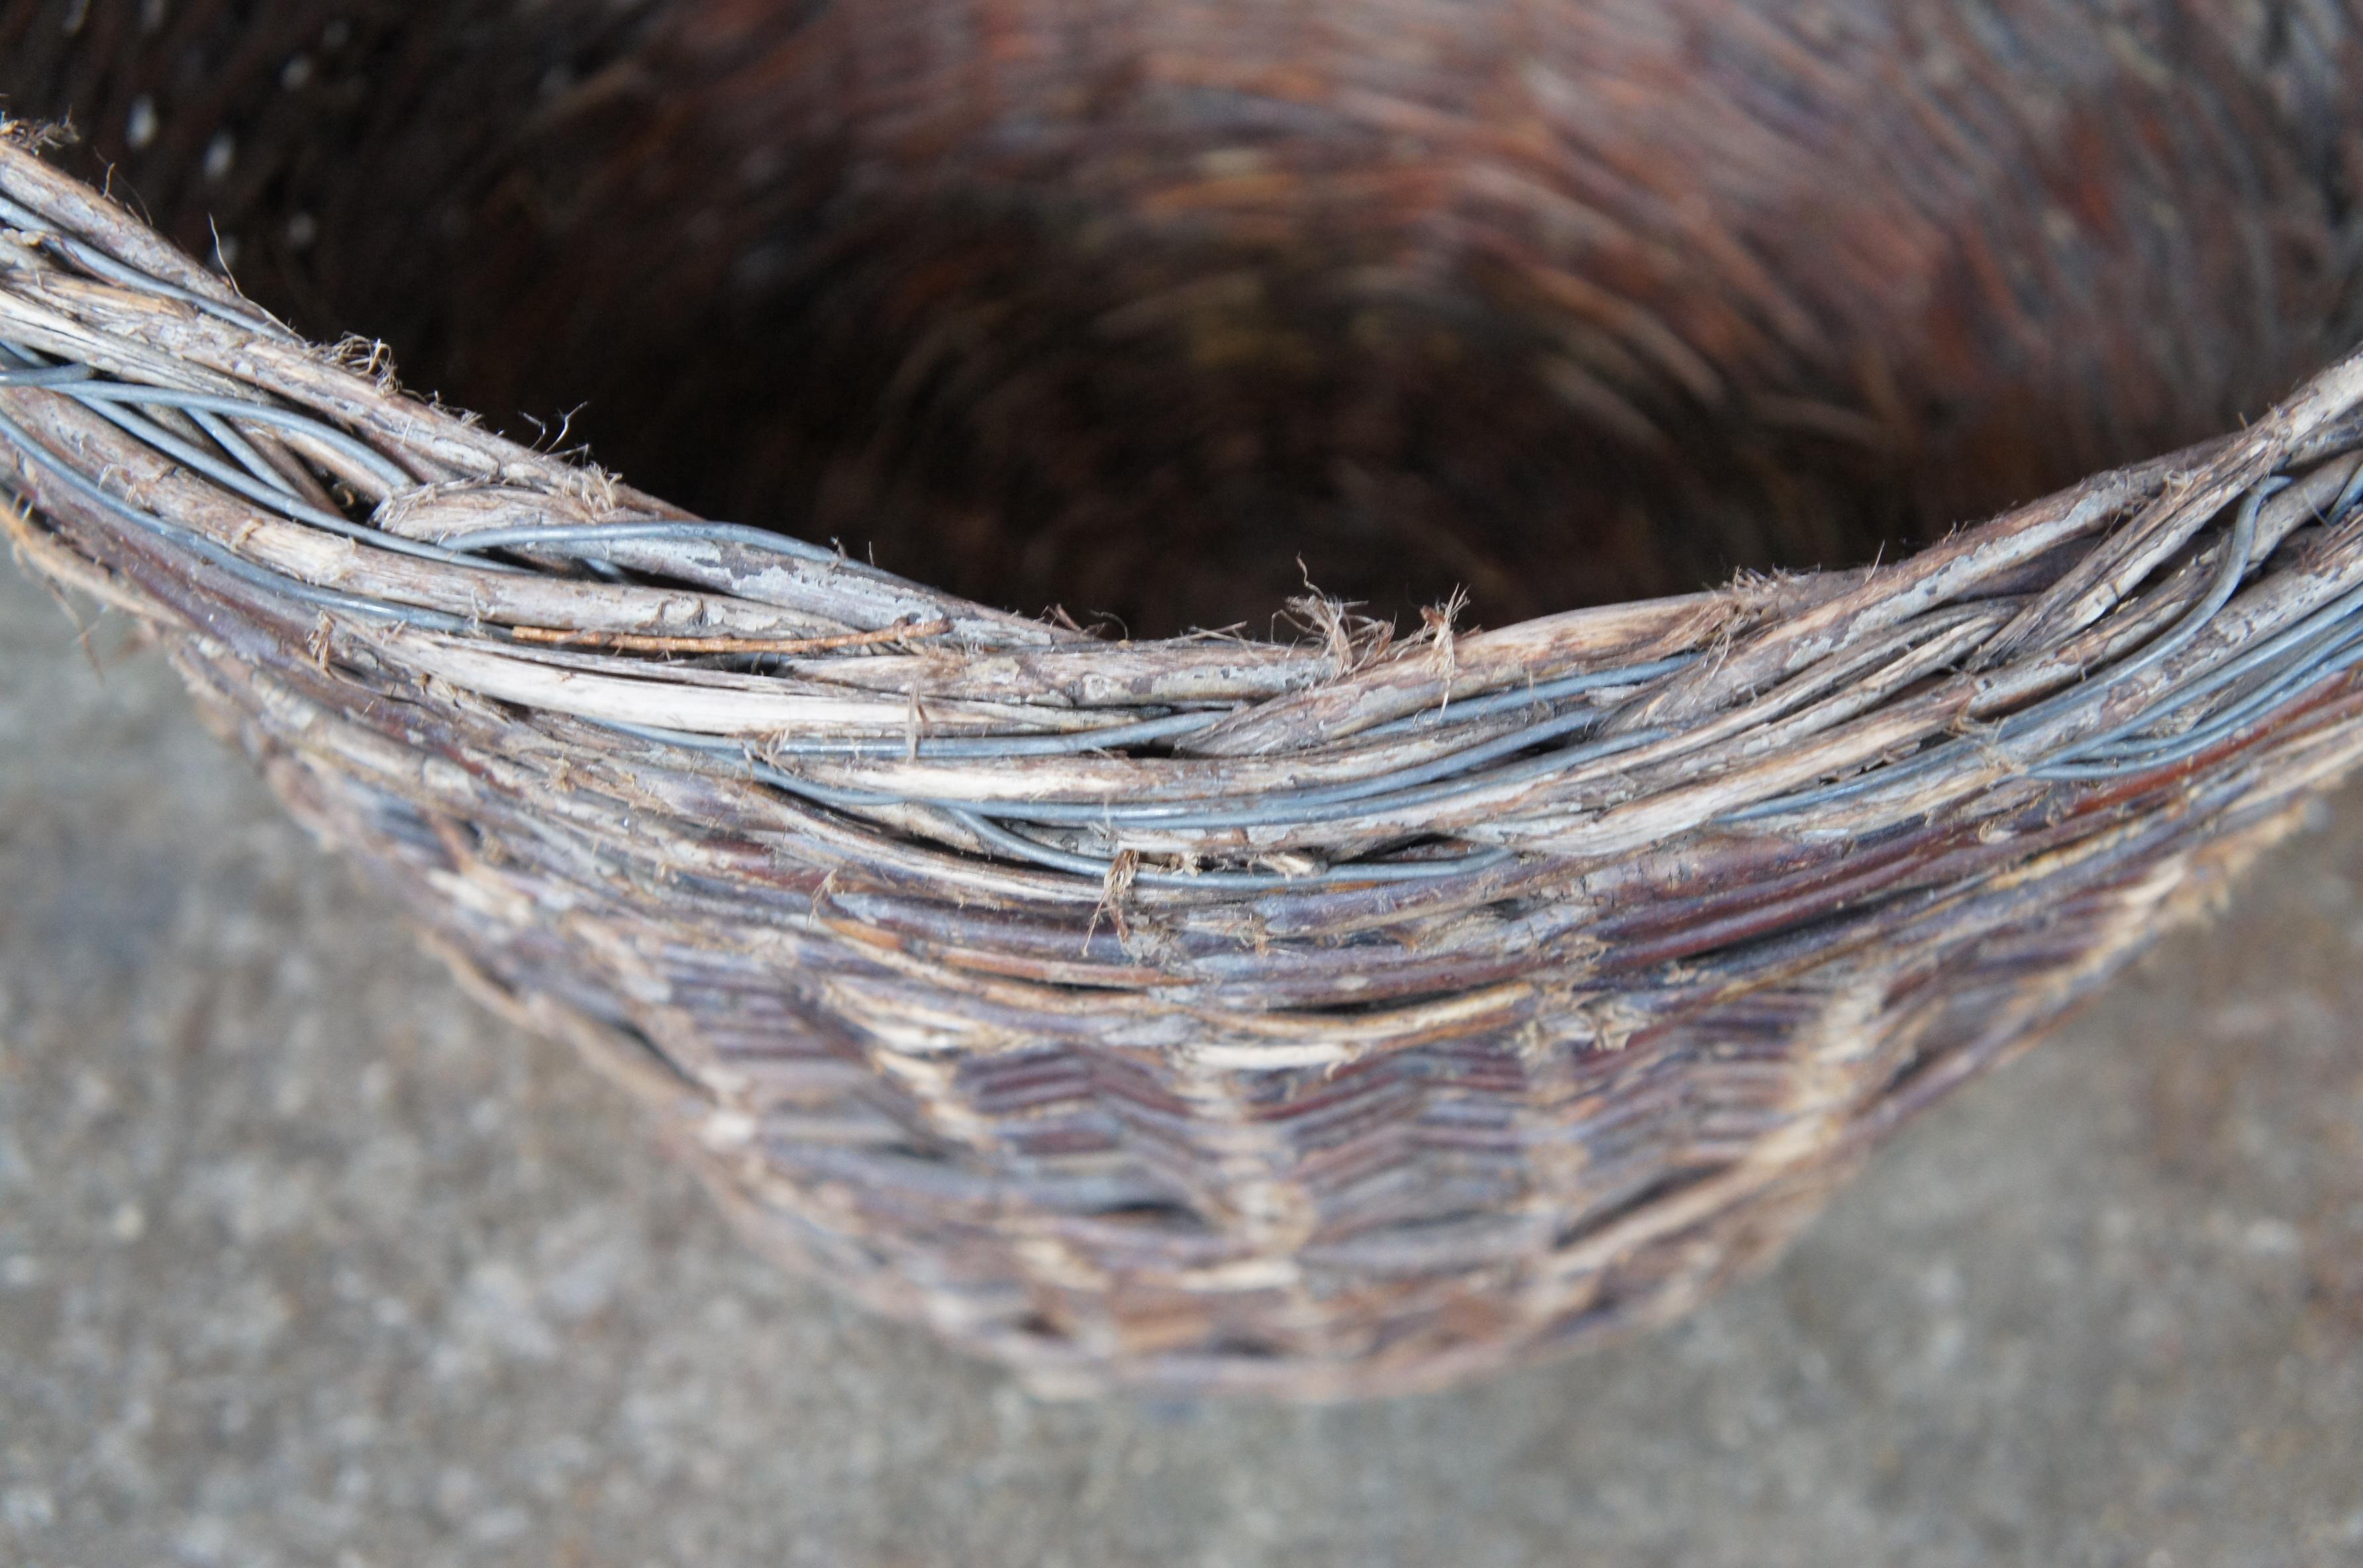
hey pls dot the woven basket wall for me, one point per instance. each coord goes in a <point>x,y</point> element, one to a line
<point>1323,1017</point>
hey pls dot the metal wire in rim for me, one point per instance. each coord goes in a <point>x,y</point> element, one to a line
<point>2323,645</point>
<point>247,474</point>
<point>87,383</point>
<point>269,488</point>
<point>2085,693</point>
<point>1351,873</point>
<point>225,435</point>
<point>2317,647</point>
<point>1398,789</point>
<point>54,376</point>
<point>2329,657</point>
<point>117,401</point>
<point>566,538</point>
<point>281,498</point>
<point>72,380</point>
<point>249,572</point>
<point>2295,660</point>
<point>2319,654</point>
<point>114,271</point>
<point>983,818</point>
<point>83,383</point>
<point>1050,856</point>
<point>386,473</point>
<point>1540,693</point>
<point>1143,732</point>
<point>2172,749</point>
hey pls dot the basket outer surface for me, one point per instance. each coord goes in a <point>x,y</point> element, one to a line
<point>1411,1041</point>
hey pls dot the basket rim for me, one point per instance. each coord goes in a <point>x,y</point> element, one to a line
<point>2141,628</point>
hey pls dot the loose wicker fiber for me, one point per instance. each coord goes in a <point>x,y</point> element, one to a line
<point>1330,1017</point>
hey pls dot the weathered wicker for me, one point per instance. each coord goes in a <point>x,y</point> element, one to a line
<point>1128,306</point>
<point>1327,1018</point>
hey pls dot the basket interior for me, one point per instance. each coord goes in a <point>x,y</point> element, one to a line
<point>1156,314</point>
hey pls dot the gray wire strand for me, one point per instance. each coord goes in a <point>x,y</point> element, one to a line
<point>251,572</point>
<point>2324,624</point>
<point>838,798</point>
<point>1144,732</point>
<point>227,437</point>
<point>2091,689</point>
<point>1234,881</point>
<point>82,382</point>
<point>283,500</point>
<point>2326,656</point>
<point>58,376</point>
<point>116,271</point>
<point>1342,802</point>
<point>359,453</point>
<point>1542,693</point>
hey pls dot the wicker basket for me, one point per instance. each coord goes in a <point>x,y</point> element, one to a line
<point>1326,1017</point>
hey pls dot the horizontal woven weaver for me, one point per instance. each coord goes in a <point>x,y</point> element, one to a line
<point>1324,1016</point>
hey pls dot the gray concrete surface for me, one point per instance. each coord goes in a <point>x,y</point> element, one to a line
<point>305,1260</point>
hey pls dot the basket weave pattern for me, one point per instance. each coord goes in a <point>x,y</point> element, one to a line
<point>1326,1017</point>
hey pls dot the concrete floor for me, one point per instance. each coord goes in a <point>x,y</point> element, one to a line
<point>305,1260</point>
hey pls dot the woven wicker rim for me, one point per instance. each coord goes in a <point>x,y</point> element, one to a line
<point>2146,622</point>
